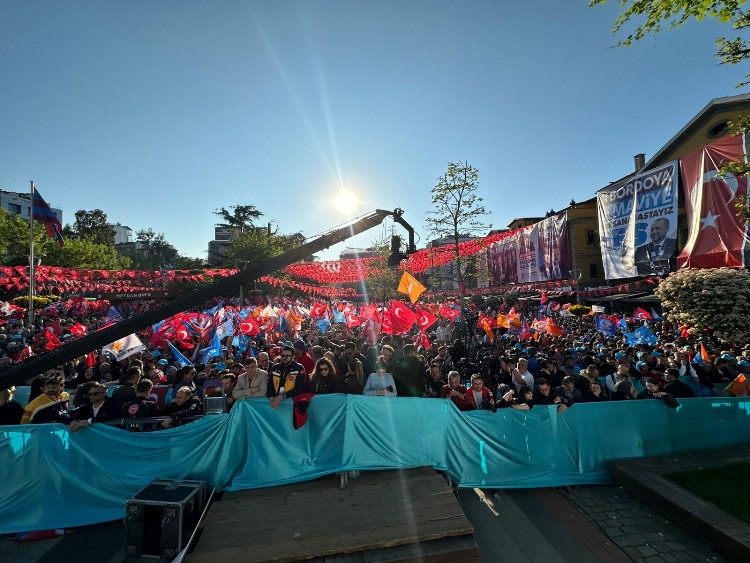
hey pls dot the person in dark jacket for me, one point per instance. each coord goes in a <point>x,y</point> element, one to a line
<point>126,392</point>
<point>409,373</point>
<point>10,411</point>
<point>678,389</point>
<point>99,409</point>
<point>142,406</point>
<point>184,405</point>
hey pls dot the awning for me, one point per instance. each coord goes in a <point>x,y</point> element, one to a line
<point>615,297</point>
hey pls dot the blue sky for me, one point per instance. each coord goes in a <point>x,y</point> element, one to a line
<point>160,112</point>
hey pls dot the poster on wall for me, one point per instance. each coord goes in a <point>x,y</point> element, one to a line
<point>535,253</point>
<point>554,258</point>
<point>638,223</point>
<point>716,235</point>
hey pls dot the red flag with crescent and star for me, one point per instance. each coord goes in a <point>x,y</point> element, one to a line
<point>716,235</point>
<point>425,319</point>
<point>402,318</point>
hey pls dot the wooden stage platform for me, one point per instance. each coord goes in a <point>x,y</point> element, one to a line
<point>409,515</point>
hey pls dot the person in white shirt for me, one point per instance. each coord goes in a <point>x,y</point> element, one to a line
<point>522,376</point>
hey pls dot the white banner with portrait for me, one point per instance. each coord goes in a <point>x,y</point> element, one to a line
<point>638,223</point>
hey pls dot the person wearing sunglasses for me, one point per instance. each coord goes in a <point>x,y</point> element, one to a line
<point>100,408</point>
<point>286,378</point>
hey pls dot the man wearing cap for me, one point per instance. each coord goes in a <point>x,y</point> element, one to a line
<point>286,378</point>
<point>51,405</point>
<point>302,357</point>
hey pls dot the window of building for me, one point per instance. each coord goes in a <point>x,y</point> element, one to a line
<point>718,129</point>
<point>592,238</point>
<point>14,208</point>
<point>593,271</point>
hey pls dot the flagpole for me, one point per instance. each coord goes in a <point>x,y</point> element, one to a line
<point>32,269</point>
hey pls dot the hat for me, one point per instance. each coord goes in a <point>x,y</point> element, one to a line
<point>744,363</point>
<point>300,345</point>
<point>156,353</point>
<point>640,365</point>
<point>220,366</point>
<point>727,357</point>
<point>619,355</point>
<point>162,362</point>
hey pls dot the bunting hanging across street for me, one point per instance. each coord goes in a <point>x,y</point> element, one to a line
<point>716,235</point>
<point>638,223</point>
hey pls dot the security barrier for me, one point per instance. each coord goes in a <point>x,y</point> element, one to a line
<point>55,479</point>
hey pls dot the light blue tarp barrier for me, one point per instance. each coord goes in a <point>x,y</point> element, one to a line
<point>54,479</point>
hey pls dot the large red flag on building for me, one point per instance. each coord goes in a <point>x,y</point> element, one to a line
<point>716,236</point>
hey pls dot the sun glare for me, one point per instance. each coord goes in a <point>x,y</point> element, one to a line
<point>346,201</point>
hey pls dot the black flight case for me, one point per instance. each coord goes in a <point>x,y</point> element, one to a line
<point>160,518</point>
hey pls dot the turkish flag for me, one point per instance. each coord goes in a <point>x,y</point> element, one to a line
<point>449,313</point>
<point>402,317</point>
<point>184,339</point>
<point>52,341</point>
<point>352,319</point>
<point>317,310</point>
<point>425,319</point>
<point>387,326</point>
<point>370,312</point>
<point>249,327</point>
<point>78,329</point>
<point>716,236</point>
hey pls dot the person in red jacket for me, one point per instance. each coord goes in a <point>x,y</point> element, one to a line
<point>454,391</point>
<point>478,397</point>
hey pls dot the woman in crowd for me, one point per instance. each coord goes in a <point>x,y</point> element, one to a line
<point>321,379</point>
<point>185,377</point>
<point>595,393</point>
<point>653,390</point>
<point>380,383</point>
<point>624,390</point>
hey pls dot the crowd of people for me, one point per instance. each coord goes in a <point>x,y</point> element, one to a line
<point>490,373</point>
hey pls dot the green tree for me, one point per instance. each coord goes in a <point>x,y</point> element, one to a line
<point>153,252</point>
<point>457,215</point>
<point>84,253</point>
<point>14,239</point>
<point>382,280</point>
<point>91,224</point>
<point>251,248</point>
<point>239,217</point>
<point>713,299</point>
<point>187,263</point>
<point>670,14</point>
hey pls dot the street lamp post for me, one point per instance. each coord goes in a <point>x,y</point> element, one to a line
<point>576,273</point>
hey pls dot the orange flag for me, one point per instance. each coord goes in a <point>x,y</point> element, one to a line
<point>502,321</point>
<point>411,287</point>
<point>738,387</point>
<point>553,329</point>
<point>488,330</point>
